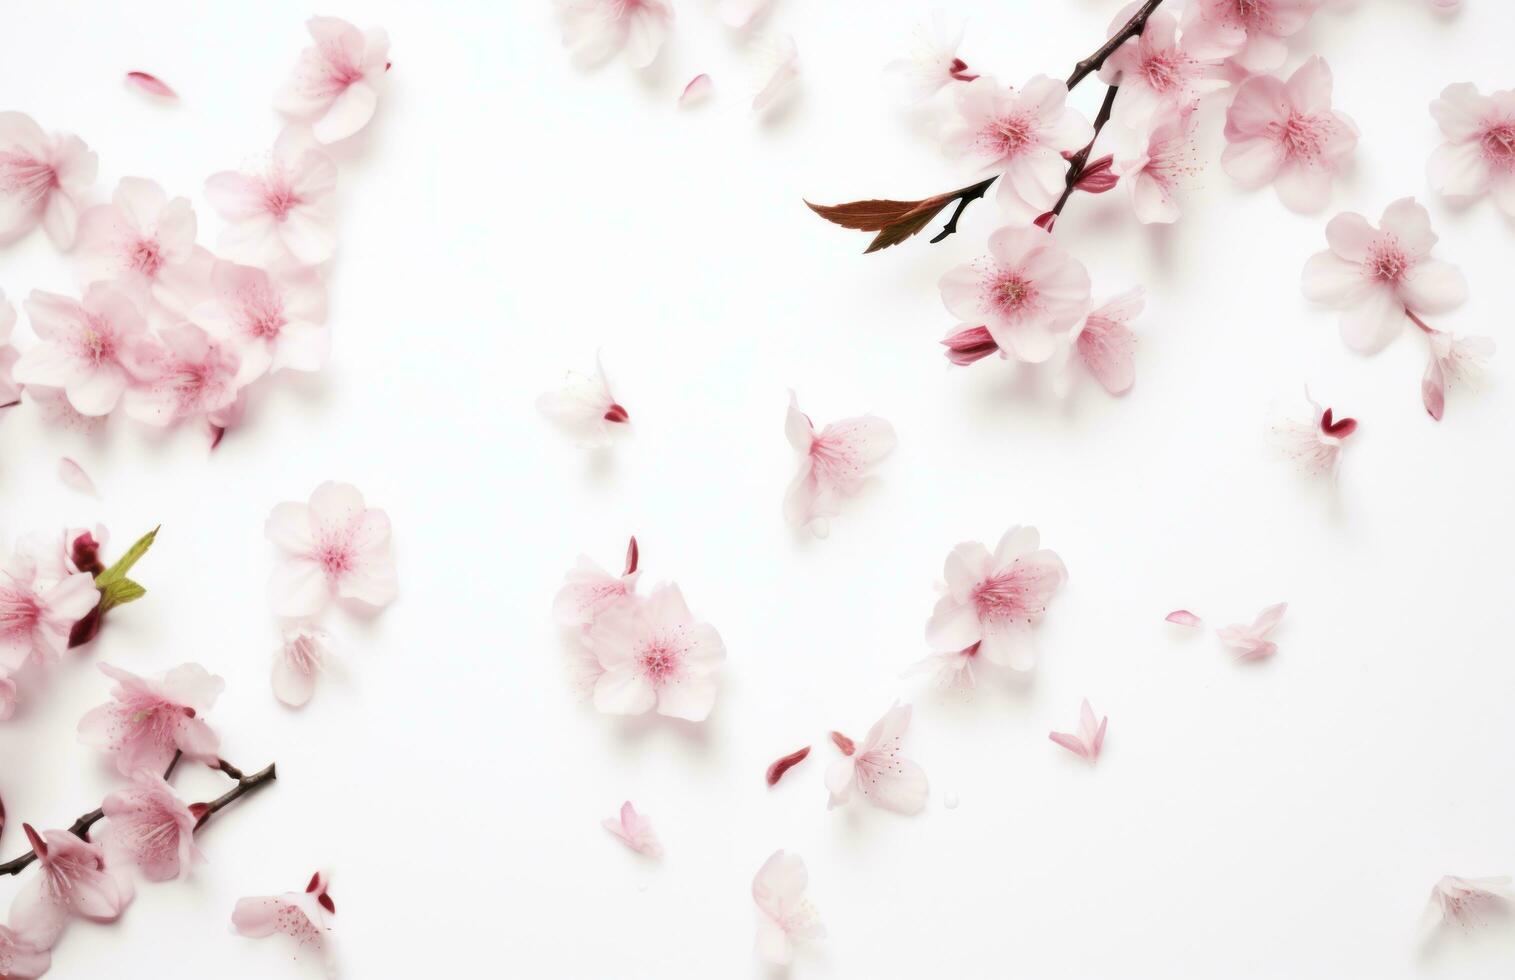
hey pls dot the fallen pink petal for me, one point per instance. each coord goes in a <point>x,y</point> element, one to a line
<point>1249,641</point>
<point>1183,617</point>
<point>152,85</point>
<point>635,831</point>
<point>697,91</point>
<point>74,477</point>
<point>1087,742</point>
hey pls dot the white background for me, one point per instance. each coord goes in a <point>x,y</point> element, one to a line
<point>506,216</point>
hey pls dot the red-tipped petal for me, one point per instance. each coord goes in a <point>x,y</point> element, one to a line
<point>150,85</point>
<point>39,846</point>
<point>847,745</point>
<point>1097,177</point>
<point>632,556</point>
<point>616,414</point>
<point>788,762</point>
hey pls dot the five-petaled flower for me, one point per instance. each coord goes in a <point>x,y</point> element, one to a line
<point>72,879</point>
<point>334,83</point>
<point>147,721</point>
<point>1156,73</point>
<point>834,463</point>
<point>1286,134</point>
<point>85,346</point>
<point>1479,154</point>
<point>274,320</point>
<point>1377,274</point>
<point>785,916</point>
<point>654,654</point>
<point>595,30</point>
<point>37,612</point>
<point>137,238</point>
<point>876,769</point>
<point>1023,135</point>
<point>148,825</point>
<point>994,599</point>
<point>186,373</point>
<point>334,545</point>
<point>1250,32</point>
<point>1154,161</point>
<point>42,177</point>
<point>1025,292</point>
<point>283,211</point>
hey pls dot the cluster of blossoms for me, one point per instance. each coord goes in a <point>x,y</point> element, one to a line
<point>165,329</point>
<point>633,653</point>
<point>333,547</point>
<point>595,31</point>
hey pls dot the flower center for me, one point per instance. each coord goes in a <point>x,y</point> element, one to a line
<point>97,344</point>
<point>19,611</point>
<point>335,558</point>
<point>1498,143</point>
<point>26,177</point>
<point>1011,294</point>
<point>1163,71</point>
<point>1008,136</point>
<point>1303,136</point>
<point>262,313</point>
<point>279,198</point>
<point>1002,597</point>
<point>659,661</point>
<point>1387,262</point>
<point>145,256</point>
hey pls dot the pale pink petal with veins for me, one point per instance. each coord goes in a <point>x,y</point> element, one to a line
<point>21,959</point>
<point>1183,617</point>
<point>786,918</point>
<point>995,599</point>
<point>597,30</point>
<point>71,879</point>
<point>878,771</point>
<point>635,831</point>
<point>304,917</point>
<point>74,477</point>
<point>1090,738</point>
<point>334,83</point>
<point>334,545</point>
<point>834,463</point>
<point>42,177</point>
<point>150,826</point>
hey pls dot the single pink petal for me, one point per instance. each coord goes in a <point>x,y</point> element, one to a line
<point>1070,742</point>
<point>74,477</point>
<point>151,85</point>
<point>1433,389</point>
<point>1183,617</point>
<point>698,90</point>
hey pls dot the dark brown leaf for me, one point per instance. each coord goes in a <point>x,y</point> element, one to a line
<point>909,225</point>
<point>871,215</point>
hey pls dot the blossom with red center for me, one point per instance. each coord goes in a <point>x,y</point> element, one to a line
<point>20,959</point>
<point>596,30</point>
<point>584,409</point>
<point>42,177</point>
<point>334,545</point>
<point>1250,32</point>
<point>148,825</point>
<point>1479,155</point>
<point>71,879</point>
<point>305,917</point>
<point>655,655</point>
<point>1156,73</point>
<point>994,599</point>
<point>878,771</point>
<point>137,238</point>
<point>1156,160</point>
<point>785,916</point>
<point>301,656</point>
<point>1025,292</point>
<point>147,721</point>
<point>834,463</point>
<point>1314,442</point>
<point>186,374</point>
<point>85,345</point>
<point>1374,275</point>
<point>933,64</point>
<point>274,320</point>
<point>37,612</point>
<point>1286,134</point>
<point>334,84</point>
<point>1024,135</point>
<point>285,210</point>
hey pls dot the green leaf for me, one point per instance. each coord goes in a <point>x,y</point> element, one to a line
<point>117,572</point>
<point>119,593</point>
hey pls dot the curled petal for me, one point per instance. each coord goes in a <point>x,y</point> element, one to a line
<point>141,81</point>
<point>1183,617</point>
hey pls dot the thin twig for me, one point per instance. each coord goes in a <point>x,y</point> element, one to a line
<point>1079,160</point>
<point>1096,61</point>
<point>964,196</point>
<point>245,784</point>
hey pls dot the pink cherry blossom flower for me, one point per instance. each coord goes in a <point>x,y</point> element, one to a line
<point>71,879</point>
<point>877,770</point>
<point>10,392</point>
<point>1154,162</point>
<point>139,235</point>
<point>35,614</point>
<point>285,210</point>
<point>1315,441</point>
<point>785,916</point>
<point>1023,135</point>
<point>304,917</point>
<point>274,320</point>
<point>588,590</point>
<point>834,463</point>
<point>584,409</point>
<point>334,545</point>
<point>9,699</point>
<point>184,375</point>
<point>635,831</point>
<point>1467,902</point>
<point>84,346</point>
<point>149,826</point>
<point>146,721</point>
<point>1286,134</point>
<point>334,84</point>
<point>1025,292</point>
<point>1156,73</point>
<point>779,61</point>
<point>299,659</point>
<point>950,670</point>
<point>1183,617</point>
<point>933,64</point>
<point>1250,642</point>
<point>596,30</point>
<point>1454,360</point>
<point>656,655</point>
<point>966,344</point>
<point>19,958</point>
<point>1250,32</point>
<point>1090,738</point>
<point>1104,342</point>
<point>1377,274</point>
<point>995,599</point>
<point>42,177</point>
<point>1479,155</point>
